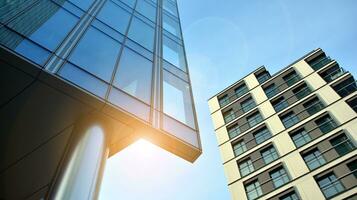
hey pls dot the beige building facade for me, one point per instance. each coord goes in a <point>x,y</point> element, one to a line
<point>291,135</point>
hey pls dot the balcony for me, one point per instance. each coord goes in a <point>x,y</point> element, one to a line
<point>284,103</point>
<point>239,92</point>
<point>333,74</point>
<point>346,87</point>
<point>231,115</point>
<point>273,90</point>
<point>292,118</point>
<point>320,127</point>
<point>320,63</point>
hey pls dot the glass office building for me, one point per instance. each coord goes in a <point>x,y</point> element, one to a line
<point>117,66</point>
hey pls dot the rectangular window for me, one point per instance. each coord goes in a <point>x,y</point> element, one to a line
<point>229,115</point>
<point>290,119</point>
<point>302,91</point>
<point>224,100</point>
<point>330,185</point>
<point>271,90</point>
<point>326,124</point>
<point>177,100</point>
<point>253,190</point>
<point>262,77</point>
<point>146,9</point>
<point>239,148</point>
<point>314,159</point>
<point>280,104</point>
<point>319,62</point>
<point>279,177</point>
<point>171,25</point>
<point>346,87</point>
<point>134,75</point>
<point>352,166</point>
<point>342,144</point>
<point>291,78</point>
<point>248,105</point>
<point>246,167</point>
<point>254,119</point>
<point>313,106</point>
<point>290,196</point>
<point>86,55</point>
<point>269,154</point>
<point>300,137</point>
<point>174,53</point>
<point>262,135</point>
<point>241,90</point>
<point>142,33</point>
<point>233,131</point>
<point>109,15</point>
<point>170,7</point>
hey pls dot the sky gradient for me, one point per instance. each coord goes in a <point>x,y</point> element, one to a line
<point>225,40</point>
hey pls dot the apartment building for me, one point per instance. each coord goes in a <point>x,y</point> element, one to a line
<point>291,135</point>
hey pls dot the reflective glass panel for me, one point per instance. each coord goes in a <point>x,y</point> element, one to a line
<point>83,80</point>
<point>46,23</point>
<point>114,16</point>
<point>84,4</point>
<point>96,53</point>
<point>130,3</point>
<point>171,26</point>
<point>170,7</point>
<point>177,99</point>
<point>142,33</point>
<point>134,75</point>
<point>174,53</point>
<point>146,9</point>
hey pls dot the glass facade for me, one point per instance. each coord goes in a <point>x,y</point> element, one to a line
<point>128,53</point>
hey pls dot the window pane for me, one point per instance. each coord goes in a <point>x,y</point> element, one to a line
<point>170,7</point>
<point>171,26</point>
<point>114,16</point>
<point>23,46</point>
<point>301,137</point>
<point>269,155</point>
<point>84,4</point>
<point>174,53</point>
<point>96,53</point>
<point>46,24</point>
<point>239,148</point>
<point>134,75</point>
<point>147,10</point>
<point>142,33</point>
<point>177,99</point>
<point>130,3</point>
<point>83,80</point>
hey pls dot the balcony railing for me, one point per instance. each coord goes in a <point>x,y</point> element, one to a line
<point>289,101</point>
<point>231,98</point>
<point>307,112</point>
<point>259,167</point>
<point>239,112</point>
<point>334,75</point>
<point>348,89</point>
<point>327,126</point>
<point>320,63</point>
<point>286,84</point>
<point>321,156</point>
<point>330,192</point>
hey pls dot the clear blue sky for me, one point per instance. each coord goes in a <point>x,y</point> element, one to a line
<point>225,40</point>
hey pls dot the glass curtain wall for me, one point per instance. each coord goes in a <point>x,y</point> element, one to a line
<point>117,50</point>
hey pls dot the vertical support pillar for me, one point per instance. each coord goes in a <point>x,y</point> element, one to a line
<point>81,175</point>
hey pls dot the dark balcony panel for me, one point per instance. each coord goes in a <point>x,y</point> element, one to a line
<point>346,87</point>
<point>319,62</point>
<point>332,73</point>
<point>263,76</point>
<point>291,78</point>
<point>353,103</point>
